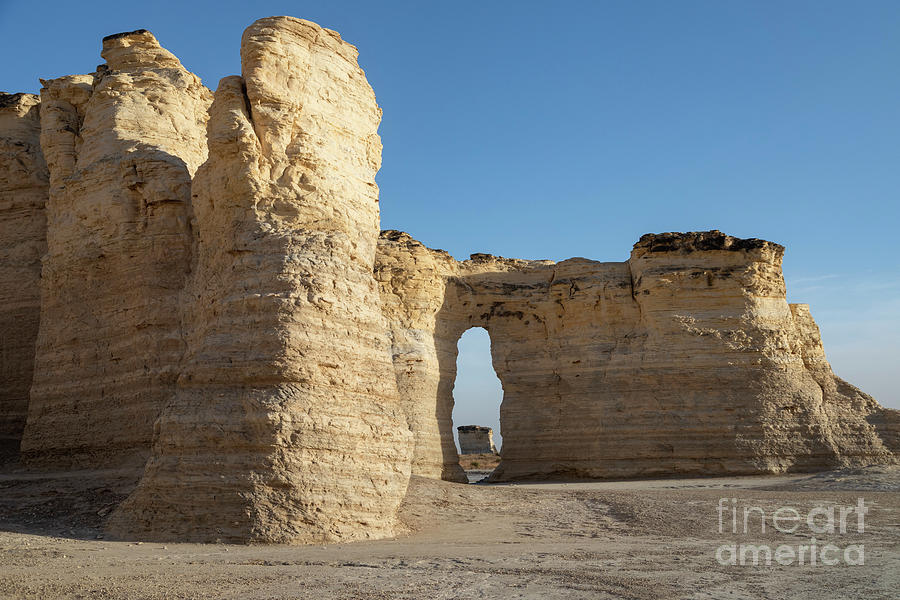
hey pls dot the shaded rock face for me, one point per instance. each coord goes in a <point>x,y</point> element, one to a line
<point>686,359</point>
<point>121,146</point>
<point>286,425</point>
<point>23,193</point>
<point>474,439</point>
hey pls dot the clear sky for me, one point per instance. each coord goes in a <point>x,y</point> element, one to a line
<point>559,129</point>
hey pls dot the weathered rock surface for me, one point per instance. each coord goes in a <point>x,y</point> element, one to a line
<point>475,439</point>
<point>286,424</point>
<point>121,146</point>
<point>685,359</point>
<point>23,194</point>
<point>214,295</point>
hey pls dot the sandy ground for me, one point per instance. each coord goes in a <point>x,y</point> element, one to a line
<point>626,539</point>
<point>479,462</point>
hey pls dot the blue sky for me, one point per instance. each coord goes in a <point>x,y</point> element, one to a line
<point>550,130</point>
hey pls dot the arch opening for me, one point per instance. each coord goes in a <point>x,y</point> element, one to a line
<point>477,395</point>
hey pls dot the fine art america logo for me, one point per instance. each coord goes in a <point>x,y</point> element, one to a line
<point>825,521</point>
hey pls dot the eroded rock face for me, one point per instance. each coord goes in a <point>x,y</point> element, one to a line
<point>685,359</point>
<point>215,295</point>
<point>121,146</point>
<point>413,281</point>
<point>286,425</point>
<point>23,194</point>
<point>475,439</point>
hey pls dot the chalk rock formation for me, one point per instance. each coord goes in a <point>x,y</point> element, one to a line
<point>23,194</point>
<point>413,280</point>
<point>475,439</point>
<point>854,411</point>
<point>215,296</point>
<point>685,359</point>
<point>286,425</point>
<point>121,146</point>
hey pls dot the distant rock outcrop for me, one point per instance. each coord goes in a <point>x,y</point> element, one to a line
<point>475,439</point>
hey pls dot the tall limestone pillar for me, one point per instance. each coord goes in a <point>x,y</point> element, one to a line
<point>121,146</point>
<point>286,425</point>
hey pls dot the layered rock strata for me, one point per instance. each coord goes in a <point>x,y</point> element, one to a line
<point>214,295</point>
<point>286,425</point>
<point>475,439</point>
<point>686,359</point>
<point>23,193</point>
<point>121,146</point>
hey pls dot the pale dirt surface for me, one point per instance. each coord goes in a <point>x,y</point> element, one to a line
<point>479,462</point>
<point>478,466</point>
<point>620,539</point>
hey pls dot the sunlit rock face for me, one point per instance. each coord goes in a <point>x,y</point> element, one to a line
<point>686,359</point>
<point>475,439</point>
<point>286,424</point>
<point>23,193</point>
<point>121,146</point>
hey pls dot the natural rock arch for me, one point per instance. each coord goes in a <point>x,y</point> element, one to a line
<point>679,360</point>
